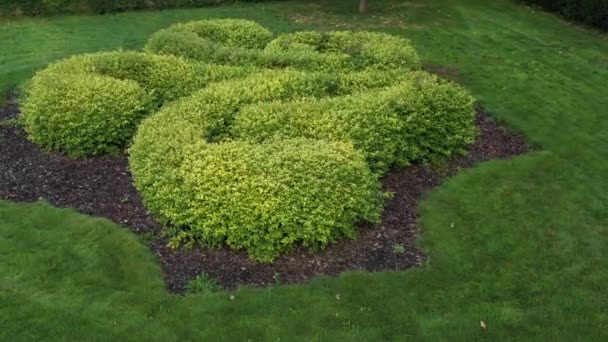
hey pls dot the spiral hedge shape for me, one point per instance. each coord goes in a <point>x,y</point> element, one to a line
<point>256,142</point>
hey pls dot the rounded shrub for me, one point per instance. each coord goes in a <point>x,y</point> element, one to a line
<point>420,118</point>
<point>264,198</point>
<point>360,49</point>
<point>239,33</point>
<point>165,77</point>
<point>158,79</point>
<point>218,103</point>
<point>83,114</point>
<point>169,139</point>
<point>438,115</point>
<point>308,50</point>
<point>212,40</point>
<point>284,147</point>
<point>367,120</point>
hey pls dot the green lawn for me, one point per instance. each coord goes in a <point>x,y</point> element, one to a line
<point>520,244</point>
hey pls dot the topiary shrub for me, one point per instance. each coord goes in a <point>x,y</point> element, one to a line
<point>438,115</point>
<point>239,33</point>
<point>421,118</point>
<point>363,49</point>
<point>305,50</point>
<point>368,120</point>
<point>264,198</point>
<point>209,40</point>
<point>83,114</point>
<point>165,77</point>
<point>51,120</point>
<point>284,149</point>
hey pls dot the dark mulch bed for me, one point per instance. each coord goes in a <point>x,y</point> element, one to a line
<point>103,187</point>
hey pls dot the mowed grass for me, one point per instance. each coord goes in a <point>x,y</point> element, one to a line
<point>519,244</point>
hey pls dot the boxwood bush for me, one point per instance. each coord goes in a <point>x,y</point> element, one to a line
<point>591,12</point>
<point>170,137</point>
<point>421,118</point>
<point>165,77</point>
<point>52,120</point>
<point>362,49</point>
<point>304,50</point>
<point>264,198</point>
<point>83,114</point>
<point>284,147</point>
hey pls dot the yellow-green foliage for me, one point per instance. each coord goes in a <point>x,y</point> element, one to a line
<point>58,124</point>
<point>264,198</point>
<point>368,120</point>
<point>358,50</point>
<point>285,147</point>
<point>228,32</point>
<point>170,137</point>
<point>420,118</point>
<point>83,114</point>
<point>165,77</point>
<point>304,50</point>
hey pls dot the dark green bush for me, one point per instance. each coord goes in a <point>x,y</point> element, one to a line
<point>46,7</point>
<point>83,114</point>
<point>592,12</point>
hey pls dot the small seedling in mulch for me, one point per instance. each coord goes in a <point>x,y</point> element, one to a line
<point>397,250</point>
<point>147,238</point>
<point>277,278</point>
<point>203,284</point>
<point>124,199</point>
<point>10,122</point>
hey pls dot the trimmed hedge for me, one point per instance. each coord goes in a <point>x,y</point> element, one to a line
<point>161,79</point>
<point>422,118</point>
<point>265,198</point>
<point>361,49</point>
<point>172,136</point>
<point>339,50</point>
<point>592,12</point>
<point>284,149</point>
<point>83,114</point>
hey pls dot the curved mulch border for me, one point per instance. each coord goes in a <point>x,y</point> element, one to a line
<point>103,187</point>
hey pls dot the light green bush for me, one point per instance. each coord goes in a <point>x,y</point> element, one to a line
<point>308,50</point>
<point>265,198</point>
<point>83,114</point>
<point>367,120</point>
<point>363,49</point>
<point>170,138</point>
<point>165,77</point>
<point>439,117</point>
<point>158,79</point>
<point>239,33</point>
<point>283,148</point>
<point>420,118</point>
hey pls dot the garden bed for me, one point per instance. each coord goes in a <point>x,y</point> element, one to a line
<point>103,187</point>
